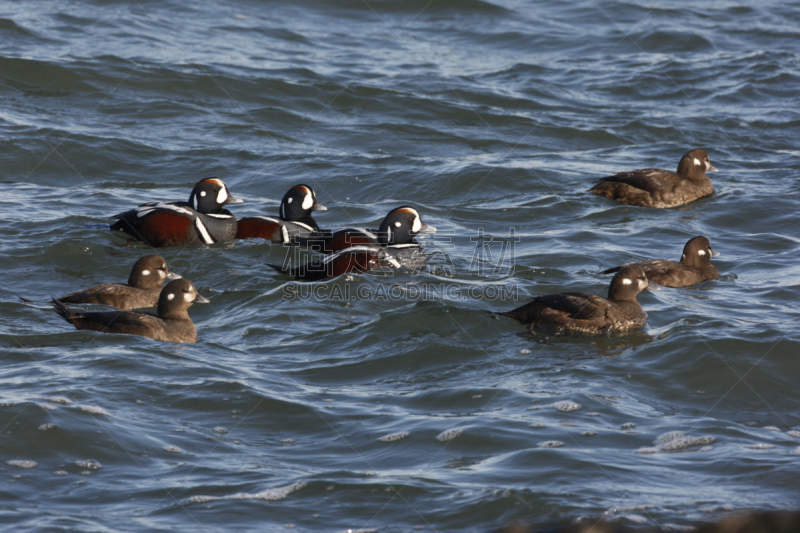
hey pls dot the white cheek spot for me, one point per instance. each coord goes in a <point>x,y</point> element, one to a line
<point>417,224</point>
<point>397,224</point>
<point>701,252</point>
<point>308,202</point>
<point>170,296</point>
<point>222,195</point>
<point>145,272</point>
<point>626,281</point>
<point>203,193</point>
<point>289,200</point>
<point>697,162</point>
<point>188,297</point>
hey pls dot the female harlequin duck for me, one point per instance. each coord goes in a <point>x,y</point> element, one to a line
<point>295,223</point>
<point>142,290</point>
<point>695,266</point>
<point>587,313</point>
<point>357,259</point>
<point>172,323</point>
<point>652,187</point>
<point>201,220</point>
<point>395,234</point>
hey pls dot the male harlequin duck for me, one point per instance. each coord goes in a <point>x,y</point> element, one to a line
<point>652,187</point>
<point>695,266</point>
<point>396,231</point>
<point>172,323</point>
<point>142,290</point>
<point>201,220</point>
<point>587,313</point>
<point>357,259</point>
<point>295,223</point>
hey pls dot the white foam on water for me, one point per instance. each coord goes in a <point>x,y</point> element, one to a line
<point>566,406</point>
<point>22,463</point>
<point>685,442</point>
<point>589,433</point>
<point>793,433</point>
<point>265,495</point>
<point>391,437</point>
<point>669,436</point>
<point>676,440</point>
<point>796,451</point>
<point>47,406</point>
<point>89,464</point>
<point>524,351</point>
<point>59,400</point>
<point>716,508</point>
<point>45,427</point>
<point>630,508</point>
<point>551,444</point>
<point>60,473</point>
<point>629,425</point>
<point>450,434</point>
<point>95,410</point>
<point>760,446</point>
<point>675,528</point>
<point>635,518</point>
<point>220,430</point>
<point>172,449</point>
<point>771,428</point>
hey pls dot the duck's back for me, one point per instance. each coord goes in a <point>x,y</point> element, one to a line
<point>161,224</point>
<point>116,295</point>
<point>580,312</point>
<point>671,273</point>
<point>652,187</point>
<point>131,323</point>
<point>560,307</point>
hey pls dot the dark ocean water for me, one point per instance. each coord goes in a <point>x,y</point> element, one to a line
<point>397,403</point>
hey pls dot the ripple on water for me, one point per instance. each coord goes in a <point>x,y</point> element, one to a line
<point>22,463</point>
<point>392,437</point>
<point>673,441</point>
<point>89,464</point>
<point>450,434</point>
<point>486,115</point>
<point>265,495</point>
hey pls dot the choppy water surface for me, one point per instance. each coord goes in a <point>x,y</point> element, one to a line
<point>398,403</point>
